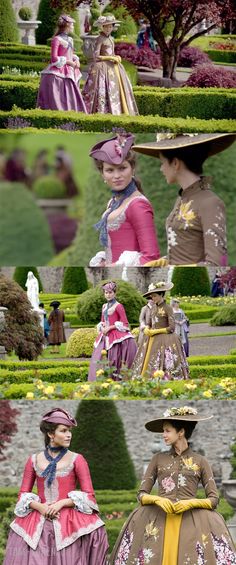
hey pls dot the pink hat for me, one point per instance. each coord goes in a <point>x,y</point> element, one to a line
<point>64,18</point>
<point>109,286</point>
<point>114,150</point>
<point>59,416</point>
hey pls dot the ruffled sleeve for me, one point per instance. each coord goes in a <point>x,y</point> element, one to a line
<point>84,499</point>
<point>82,502</point>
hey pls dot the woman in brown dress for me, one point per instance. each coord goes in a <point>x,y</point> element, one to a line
<point>196,227</point>
<point>161,349</point>
<point>55,320</point>
<point>174,527</point>
<point>108,88</point>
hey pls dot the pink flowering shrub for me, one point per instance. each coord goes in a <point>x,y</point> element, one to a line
<point>208,75</point>
<point>192,56</point>
<point>144,57</point>
<point>63,230</point>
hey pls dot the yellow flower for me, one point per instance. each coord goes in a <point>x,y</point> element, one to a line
<point>159,373</point>
<point>207,394</point>
<point>99,372</point>
<point>116,386</point>
<point>190,386</point>
<point>49,389</point>
<point>85,387</point>
<point>190,464</point>
<point>105,385</point>
<point>186,214</point>
<point>77,394</point>
<point>104,352</point>
<point>151,530</point>
<point>30,395</point>
<point>167,391</point>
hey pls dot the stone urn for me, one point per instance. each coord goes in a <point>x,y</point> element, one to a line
<point>27,29</point>
<point>88,46</point>
<point>3,309</point>
<point>229,492</point>
<point>54,205</point>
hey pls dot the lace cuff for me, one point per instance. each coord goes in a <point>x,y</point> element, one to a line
<point>22,507</point>
<point>82,502</point>
<point>120,326</point>
<point>129,259</point>
<point>99,327</point>
<point>61,61</point>
<point>98,259</point>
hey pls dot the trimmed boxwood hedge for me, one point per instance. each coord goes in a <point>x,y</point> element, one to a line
<point>65,374</point>
<point>221,56</point>
<point>175,102</point>
<point>106,122</point>
<point>21,65</point>
<point>45,364</point>
<point>212,360</point>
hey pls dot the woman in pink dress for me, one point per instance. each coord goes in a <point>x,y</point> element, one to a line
<point>59,86</point>
<point>114,336</point>
<point>127,230</point>
<point>59,524</point>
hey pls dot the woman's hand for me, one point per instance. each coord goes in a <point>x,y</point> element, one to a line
<point>41,507</point>
<point>72,64</point>
<point>54,509</point>
<point>106,330</point>
<point>165,504</point>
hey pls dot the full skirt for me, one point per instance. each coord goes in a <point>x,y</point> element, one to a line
<point>163,352</point>
<point>59,93</point>
<point>108,90</point>
<point>120,354</point>
<point>90,549</point>
<point>203,539</point>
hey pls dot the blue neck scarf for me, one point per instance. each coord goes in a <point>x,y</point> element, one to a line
<point>50,471</point>
<point>114,204</point>
<point>109,304</point>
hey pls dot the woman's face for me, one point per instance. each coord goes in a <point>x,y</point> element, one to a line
<point>169,169</point>
<point>117,176</point>
<point>61,437</point>
<point>70,27</point>
<point>109,294</point>
<point>157,298</point>
<point>170,434</point>
<point>107,29</point>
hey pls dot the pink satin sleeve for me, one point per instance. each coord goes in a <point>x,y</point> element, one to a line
<point>54,50</point>
<point>28,479</point>
<point>84,478</point>
<point>122,314</point>
<point>140,215</point>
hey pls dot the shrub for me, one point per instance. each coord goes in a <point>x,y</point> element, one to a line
<point>20,276</point>
<point>144,57</point>
<point>8,26</point>
<point>22,333</point>
<point>233,461</point>
<point>8,425</point>
<point>22,225</point>
<point>25,13</point>
<point>194,281</point>
<point>49,186</point>
<point>103,445</point>
<point>222,56</point>
<point>63,230</point>
<point>74,280</point>
<point>192,56</point>
<point>48,16</point>
<point>80,342</point>
<point>52,375</point>
<point>209,75</point>
<point>90,303</point>
<point>226,316</point>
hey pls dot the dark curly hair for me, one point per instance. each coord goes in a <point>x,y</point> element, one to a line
<point>193,157</point>
<point>187,426</point>
<point>46,428</point>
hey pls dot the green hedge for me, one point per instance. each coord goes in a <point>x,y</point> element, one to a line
<point>222,56</point>
<point>106,122</point>
<point>19,78</point>
<point>213,371</point>
<point>45,364</point>
<point>23,66</point>
<point>212,360</point>
<point>25,57</point>
<point>198,103</point>
<point>201,314</point>
<point>65,374</point>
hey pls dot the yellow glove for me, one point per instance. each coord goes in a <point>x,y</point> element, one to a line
<point>162,262</point>
<point>184,505</point>
<point>112,58</point>
<point>151,333</point>
<point>163,503</point>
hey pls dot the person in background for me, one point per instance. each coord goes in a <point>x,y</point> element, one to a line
<point>181,324</point>
<point>55,320</point>
<point>46,326</point>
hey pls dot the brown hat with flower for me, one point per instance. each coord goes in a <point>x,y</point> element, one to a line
<point>183,413</point>
<point>59,416</point>
<point>160,286</point>
<point>114,150</point>
<point>216,142</point>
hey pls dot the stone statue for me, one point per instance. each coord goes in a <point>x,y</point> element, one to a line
<point>32,286</point>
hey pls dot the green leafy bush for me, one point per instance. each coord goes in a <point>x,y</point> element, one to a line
<point>233,461</point>
<point>54,375</point>
<point>25,13</point>
<point>74,280</point>
<point>48,17</point>
<point>80,343</point>
<point>20,276</point>
<point>90,303</point>
<point>103,445</point>
<point>211,360</point>
<point>194,281</point>
<point>22,225</point>
<point>13,92</point>
<point>226,316</point>
<point>49,186</point>
<point>8,25</point>
<point>221,56</point>
<point>22,65</point>
<point>128,25</point>
<point>42,365</point>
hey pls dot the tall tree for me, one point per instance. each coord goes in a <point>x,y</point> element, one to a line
<point>8,25</point>
<point>186,19</point>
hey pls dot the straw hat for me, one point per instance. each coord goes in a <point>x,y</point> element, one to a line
<point>109,19</point>
<point>216,142</point>
<point>160,286</point>
<point>184,414</point>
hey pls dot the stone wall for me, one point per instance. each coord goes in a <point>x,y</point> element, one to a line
<point>213,437</point>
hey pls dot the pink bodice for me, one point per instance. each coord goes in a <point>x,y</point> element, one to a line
<point>61,51</point>
<point>133,230</point>
<point>116,316</point>
<point>72,522</point>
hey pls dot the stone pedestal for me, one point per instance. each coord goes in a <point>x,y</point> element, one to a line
<point>88,46</point>
<point>229,491</point>
<point>3,353</point>
<point>27,30</point>
<point>54,205</point>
